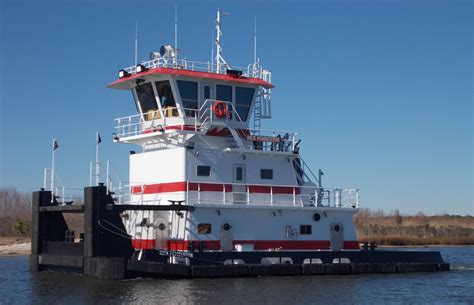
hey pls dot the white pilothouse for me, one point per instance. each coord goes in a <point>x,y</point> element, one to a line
<point>249,188</point>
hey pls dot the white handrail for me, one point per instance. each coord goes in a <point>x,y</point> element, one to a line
<point>58,184</point>
<point>251,71</point>
<point>293,195</point>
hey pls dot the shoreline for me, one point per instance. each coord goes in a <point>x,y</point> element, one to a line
<point>10,246</point>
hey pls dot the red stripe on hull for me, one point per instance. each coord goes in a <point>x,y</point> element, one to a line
<point>184,245</point>
<point>145,244</point>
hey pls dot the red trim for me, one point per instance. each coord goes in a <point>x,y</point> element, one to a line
<point>143,244</point>
<point>160,188</point>
<point>353,245</point>
<point>212,187</point>
<point>184,245</point>
<point>169,71</point>
<point>243,133</point>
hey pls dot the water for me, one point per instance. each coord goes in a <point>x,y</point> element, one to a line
<point>19,286</point>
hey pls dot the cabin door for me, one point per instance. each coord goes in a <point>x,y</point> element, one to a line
<point>337,236</point>
<point>227,241</point>
<point>239,188</point>
<point>207,93</point>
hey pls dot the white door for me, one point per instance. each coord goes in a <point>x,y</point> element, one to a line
<point>239,189</point>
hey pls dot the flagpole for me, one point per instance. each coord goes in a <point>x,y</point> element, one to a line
<point>97,159</point>
<point>52,171</point>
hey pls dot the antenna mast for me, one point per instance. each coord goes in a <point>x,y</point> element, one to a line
<point>255,43</point>
<point>176,28</point>
<point>136,42</point>
<point>219,59</point>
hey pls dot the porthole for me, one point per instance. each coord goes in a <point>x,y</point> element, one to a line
<point>337,228</point>
<point>317,216</point>
<point>226,227</point>
<point>161,226</point>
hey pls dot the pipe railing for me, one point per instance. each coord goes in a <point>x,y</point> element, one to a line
<point>197,193</point>
<point>253,71</point>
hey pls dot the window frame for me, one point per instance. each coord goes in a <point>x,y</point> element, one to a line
<point>266,170</point>
<point>181,100</point>
<point>252,101</point>
<point>201,166</point>
<point>155,95</point>
<point>306,229</point>
<point>208,231</point>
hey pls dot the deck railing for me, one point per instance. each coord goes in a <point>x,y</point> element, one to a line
<point>62,194</point>
<point>252,70</point>
<point>271,195</point>
<point>201,120</point>
<point>197,193</point>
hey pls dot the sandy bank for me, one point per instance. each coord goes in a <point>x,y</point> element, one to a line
<point>12,246</point>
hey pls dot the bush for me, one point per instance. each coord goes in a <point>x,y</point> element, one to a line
<point>21,229</point>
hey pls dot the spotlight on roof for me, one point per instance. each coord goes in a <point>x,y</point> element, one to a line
<point>140,68</point>
<point>123,73</point>
<point>234,73</point>
<point>167,51</point>
<point>115,137</point>
<point>155,55</point>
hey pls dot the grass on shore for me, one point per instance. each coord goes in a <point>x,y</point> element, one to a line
<point>399,230</point>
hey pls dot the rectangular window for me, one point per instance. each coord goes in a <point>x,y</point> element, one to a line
<point>305,229</point>
<point>146,97</point>
<point>189,95</point>
<point>203,170</point>
<point>166,97</point>
<point>266,173</point>
<point>239,174</point>
<point>207,92</point>
<point>243,101</point>
<point>204,228</point>
<point>224,93</point>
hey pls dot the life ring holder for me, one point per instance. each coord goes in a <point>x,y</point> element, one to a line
<point>220,109</point>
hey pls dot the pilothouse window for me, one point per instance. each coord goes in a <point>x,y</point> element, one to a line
<point>243,100</point>
<point>189,95</point>
<point>165,94</point>
<point>224,93</point>
<point>146,97</point>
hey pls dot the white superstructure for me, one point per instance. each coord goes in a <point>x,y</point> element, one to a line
<point>250,188</point>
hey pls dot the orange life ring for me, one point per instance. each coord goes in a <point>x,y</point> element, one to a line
<point>220,109</point>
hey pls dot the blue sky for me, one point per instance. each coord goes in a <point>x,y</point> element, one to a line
<point>380,91</point>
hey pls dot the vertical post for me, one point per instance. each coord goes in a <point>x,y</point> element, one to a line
<point>55,145</point>
<point>90,173</point>
<point>223,193</point>
<point>294,196</point>
<point>187,192</point>
<point>316,196</point>
<point>248,194</point>
<point>107,182</point>
<point>357,198</point>
<point>199,192</point>
<point>255,43</point>
<point>218,41</point>
<point>45,175</point>
<point>97,159</point>
<point>136,44</point>
<point>271,195</point>
<point>195,120</point>
<point>176,30</point>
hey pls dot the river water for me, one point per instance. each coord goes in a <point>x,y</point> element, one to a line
<point>19,286</point>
